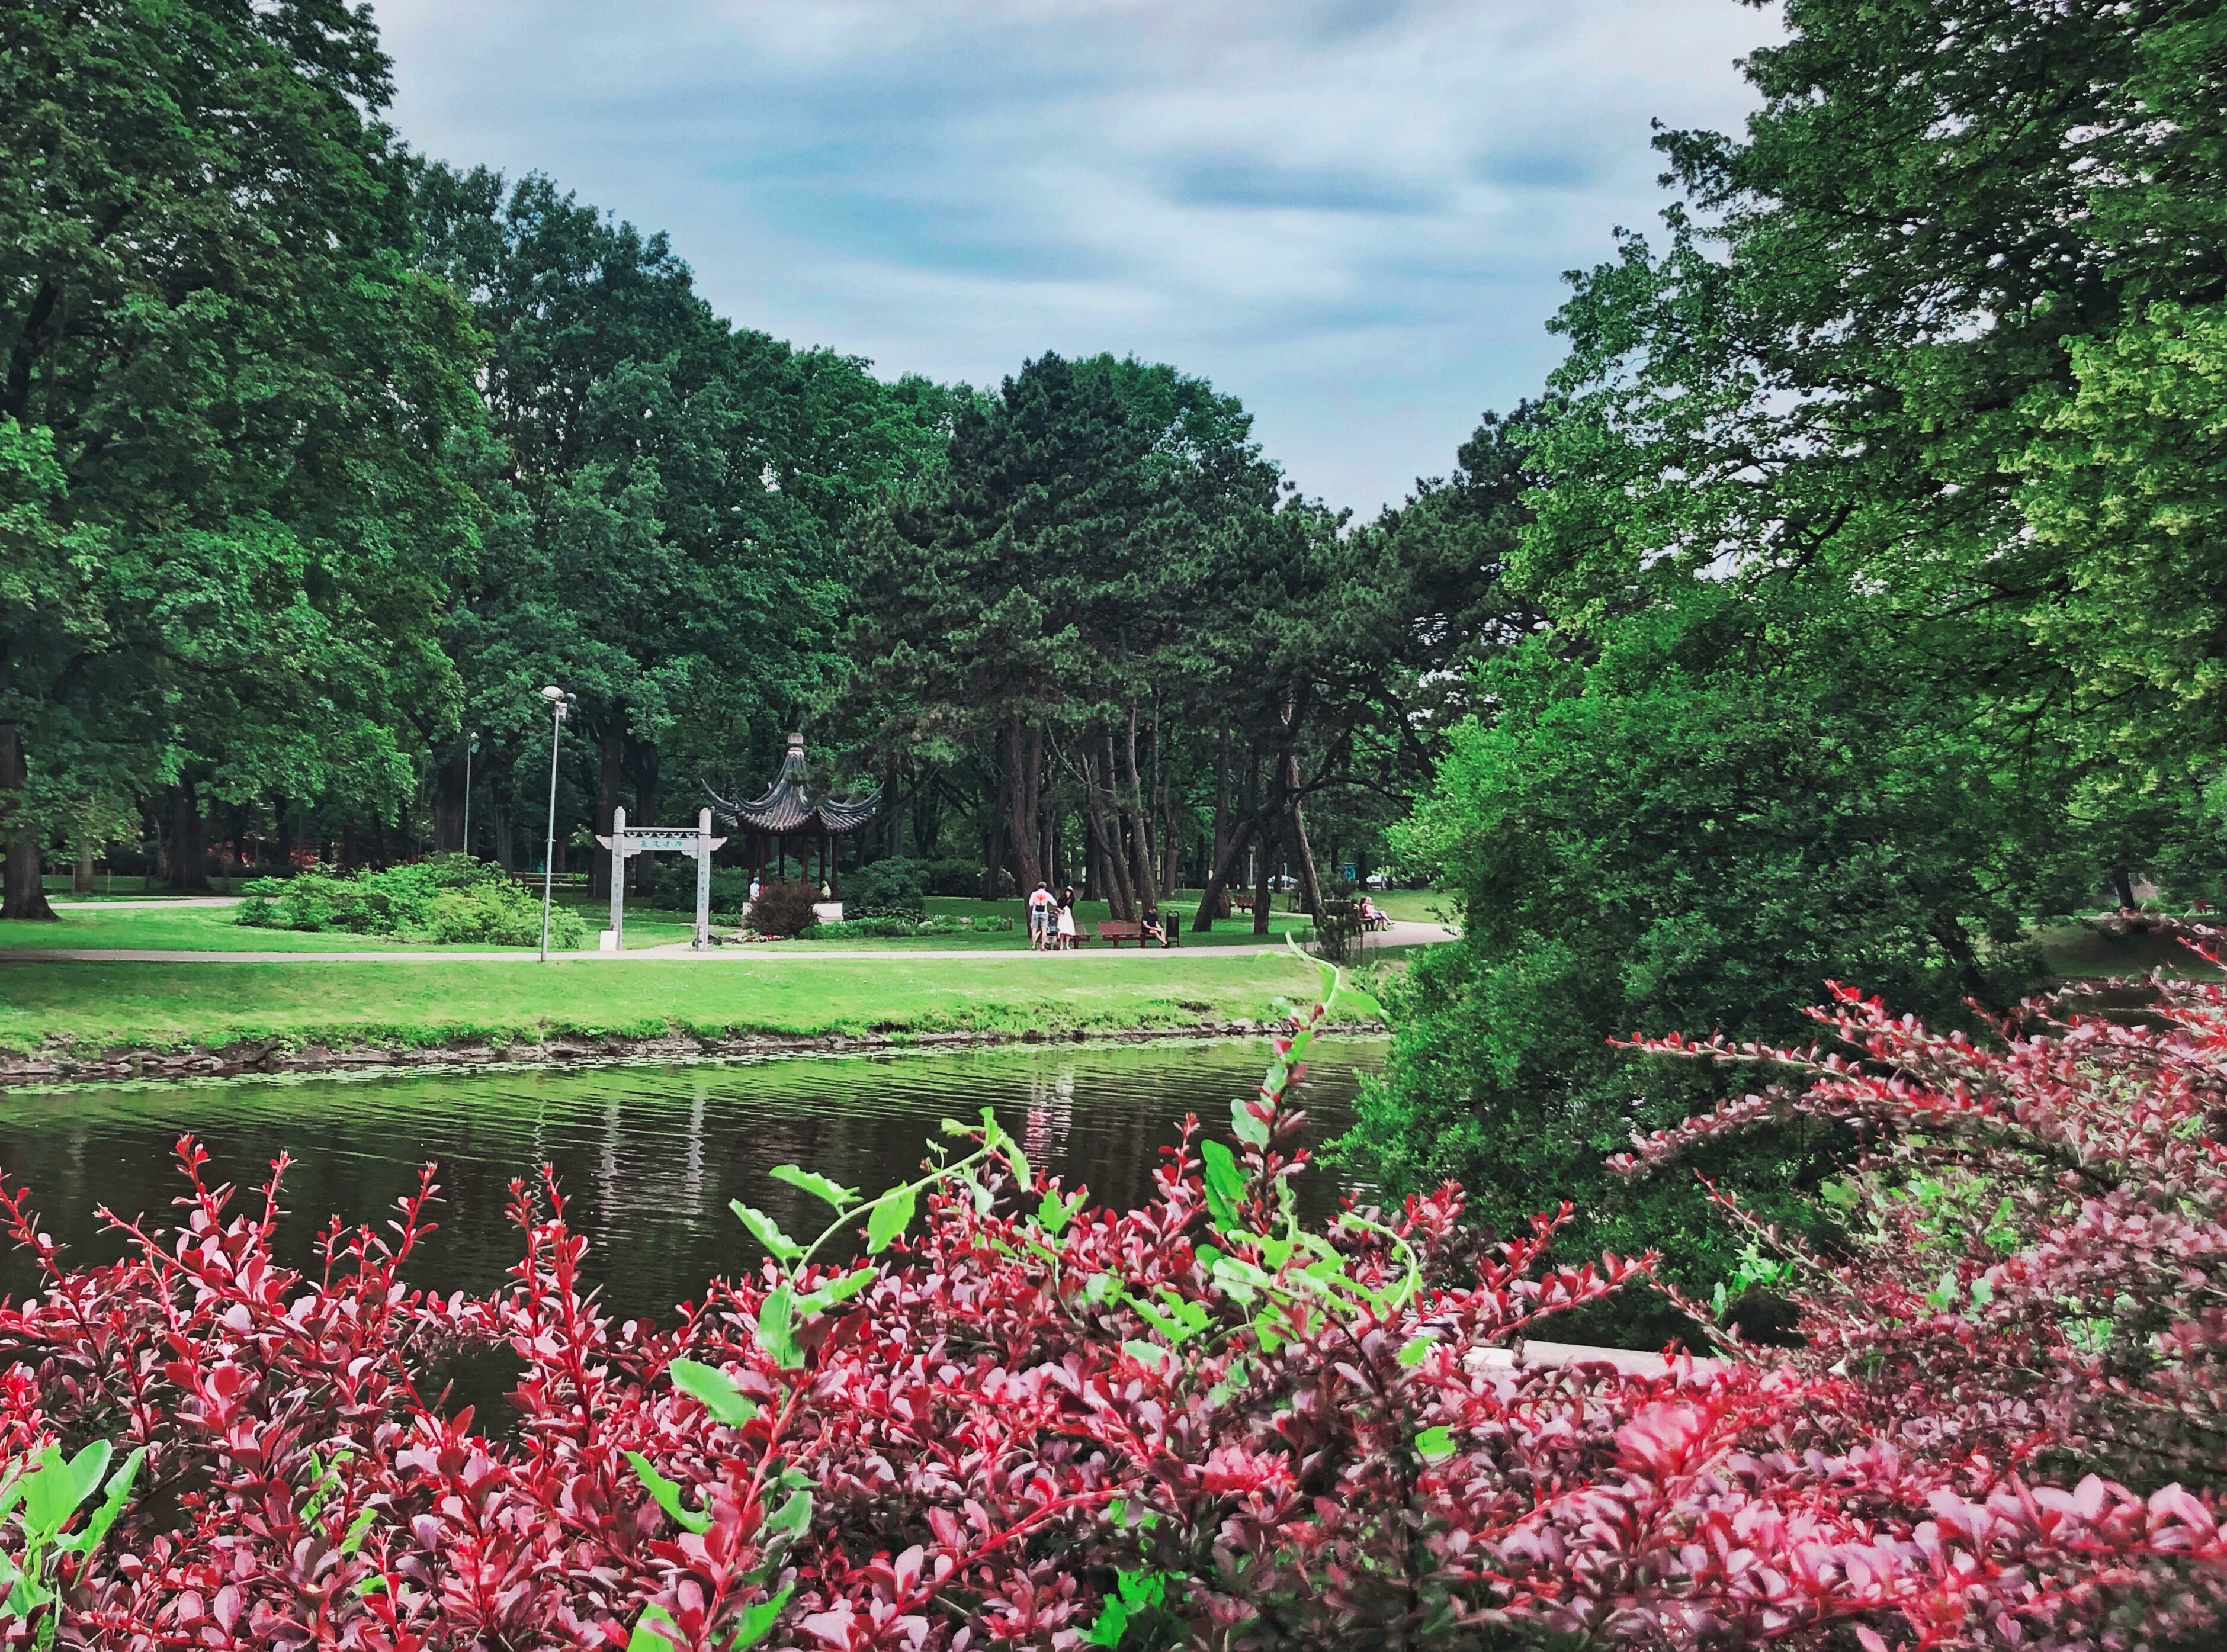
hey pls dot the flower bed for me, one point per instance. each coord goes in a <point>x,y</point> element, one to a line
<point>1002,1416</point>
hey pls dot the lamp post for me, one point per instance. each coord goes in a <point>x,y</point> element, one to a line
<point>559,702</point>
<point>471,745</point>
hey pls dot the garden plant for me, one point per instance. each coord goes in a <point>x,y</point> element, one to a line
<point>978,1411</point>
<point>452,898</point>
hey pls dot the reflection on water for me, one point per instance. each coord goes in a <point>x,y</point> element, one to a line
<point>649,1155</point>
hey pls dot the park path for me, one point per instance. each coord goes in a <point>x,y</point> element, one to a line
<point>1400,935</point>
<point>153,900</point>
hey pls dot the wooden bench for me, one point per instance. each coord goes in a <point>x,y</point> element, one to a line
<point>1114,931</point>
<point>1241,903</point>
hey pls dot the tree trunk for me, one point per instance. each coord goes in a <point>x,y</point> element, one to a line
<point>1263,872</point>
<point>189,841</point>
<point>82,883</point>
<point>1025,749</point>
<point>1104,831</point>
<point>448,806</point>
<point>643,772</point>
<point>1219,877</point>
<point>994,845</point>
<point>611,775</point>
<point>2125,887</point>
<point>1309,880</point>
<point>23,889</point>
<point>1140,827</point>
<point>1218,906</point>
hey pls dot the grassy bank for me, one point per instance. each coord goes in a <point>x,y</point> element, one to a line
<point>99,1005</point>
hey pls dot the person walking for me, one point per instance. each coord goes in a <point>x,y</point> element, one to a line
<point>1040,924</point>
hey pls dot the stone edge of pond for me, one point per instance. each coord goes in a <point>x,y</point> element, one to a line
<point>50,1067</point>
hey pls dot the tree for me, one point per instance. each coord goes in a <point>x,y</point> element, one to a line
<point>228,408</point>
<point>1831,519</point>
<point>668,492</point>
<point>1050,586</point>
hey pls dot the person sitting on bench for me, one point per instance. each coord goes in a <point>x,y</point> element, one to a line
<point>1149,921</point>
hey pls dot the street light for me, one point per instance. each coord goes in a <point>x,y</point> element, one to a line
<point>471,745</point>
<point>559,702</point>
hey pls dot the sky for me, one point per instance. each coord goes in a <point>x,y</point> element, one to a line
<point>1355,217</point>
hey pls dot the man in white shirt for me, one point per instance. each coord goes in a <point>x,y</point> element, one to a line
<point>1039,916</point>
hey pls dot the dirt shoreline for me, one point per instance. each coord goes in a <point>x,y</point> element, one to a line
<point>20,1069</point>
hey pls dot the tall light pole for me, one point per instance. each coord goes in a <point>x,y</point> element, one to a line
<point>559,702</point>
<point>471,745</point>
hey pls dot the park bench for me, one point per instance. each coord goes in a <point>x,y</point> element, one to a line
<point>1114,931</point>
<point>1241,903</point>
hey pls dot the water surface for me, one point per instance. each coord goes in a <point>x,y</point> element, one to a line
<point>649,1155</point>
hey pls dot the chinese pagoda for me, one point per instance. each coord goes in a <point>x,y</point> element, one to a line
<point>788,809</point>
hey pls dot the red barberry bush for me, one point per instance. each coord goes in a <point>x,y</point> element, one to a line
<point>979,1411</point>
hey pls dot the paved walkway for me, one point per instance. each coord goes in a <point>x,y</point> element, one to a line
<point>66,905</point>
<point>1400,935</point>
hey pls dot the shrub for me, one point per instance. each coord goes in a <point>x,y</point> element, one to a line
<point>449,898</point>
<point>958,877</point>
<point>782,908</point>
<point>672,886</point>
<point>888,888</point>
<point>1011,1419</point>
<point>885,929</point>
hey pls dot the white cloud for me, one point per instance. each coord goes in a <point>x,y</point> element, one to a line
<point>1354,216</point>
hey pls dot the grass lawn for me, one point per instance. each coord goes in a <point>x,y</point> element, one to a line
<point>96,926</point>
<point>103,1006</point>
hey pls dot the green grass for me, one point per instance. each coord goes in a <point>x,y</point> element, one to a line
<point>97,927</point>
<point>171,1005</point>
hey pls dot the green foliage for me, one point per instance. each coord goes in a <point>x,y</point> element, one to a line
<point>1870,556</point>
<point>894,928</point>
<point>451,899</point>
<point>229,419</point>
<point>40,1499</point>
<point>888,888</point>
<point>782,908</point>
<point>672,886</point>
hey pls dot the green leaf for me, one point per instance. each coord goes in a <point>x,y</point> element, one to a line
<point>112,1506</point>
<point>775,1316</point>
<point>793,1517</point>
<point>1362,1006</point>
<point>1054,1212</point>
<point>1099,1288</point>
<point>1416,1350</point>
<point>52,1490</point>
<point>1225,1184</point>
<point>767,1232</point>
<point>714,1390</point>
<point>1113,1622</point>
<point>838,1290</point>
<point>1243,1125</point>
<point>1327,975</point>
<point>891,1216</point>
<point>646,1636</point>
<point>668,1494</point>
<point>1149,1354</point>
<point>359,1529</point>
<point>1435,1444</point>
<point>756,1621</point>
<point>816,1184</point>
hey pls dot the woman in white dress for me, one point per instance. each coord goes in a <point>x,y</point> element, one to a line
<point>1066,930</point>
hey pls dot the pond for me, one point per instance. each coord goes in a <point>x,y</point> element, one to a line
<point>649,1155</point>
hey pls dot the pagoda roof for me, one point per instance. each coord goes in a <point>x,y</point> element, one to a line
<point>789,804</point>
